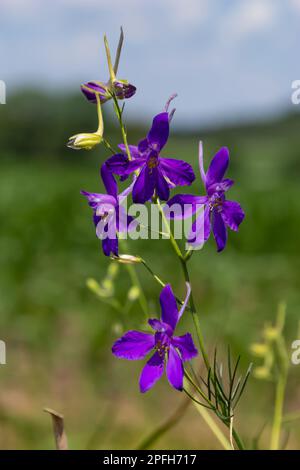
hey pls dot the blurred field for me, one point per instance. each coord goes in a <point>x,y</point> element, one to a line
<point>59,334</point>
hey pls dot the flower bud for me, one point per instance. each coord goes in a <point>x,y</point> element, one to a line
<point>259,349</point>
<point>271,333</point>
<point>86,141</point>
<point>262,373</point>
<point>133,293</point>
<point>127,259</point>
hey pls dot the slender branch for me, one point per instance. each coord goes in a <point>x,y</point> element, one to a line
<point>160,282</point>
<point>119,113</point>
<point>214,427</point>
<point>164,427</point>
<point>136,282</point>
<point>278,408</point>
<point>195,316</point>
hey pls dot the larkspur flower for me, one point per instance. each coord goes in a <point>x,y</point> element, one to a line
<point>170,351</point>
<point>121,88</point>
<point>219,213</point>
<point>156,174</point>
<point>109,217</point>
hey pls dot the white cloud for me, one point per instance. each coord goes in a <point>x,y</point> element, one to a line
<point>295,4</point>
<point>188,13</point>
<point>250,18</point>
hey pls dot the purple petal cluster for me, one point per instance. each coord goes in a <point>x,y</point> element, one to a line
<point>219,213</point>
<point>169,351</point>
<point>156,174</point>
<point>109,217</point>
<point>121,88</point>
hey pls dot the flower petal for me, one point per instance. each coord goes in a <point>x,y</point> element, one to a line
<point>232,214</point>
<point>160,326</point>
<point>219,230</point>
<point>186,346</point>
<point>174,369</point>
<point>110,245</point>
<point>123,89</point>
<point>169,310</point>
<point>109,180</point>
<point>183,206</point>
<point>151,372</point>
<point>122,219</point>
<point>144,186</point>
<point>178,172</point>
<point>220,187</point>
<point>159,132</point>
<point>120,165</point>
<point>187,297</point>
<point>96,199</point>
<point>143,147</point>
<point>217,167</point>
<point>90,90</point>
<point>133,345</point>
<point>200,229</point>
<point>162,186</point>
<point>134,152</point>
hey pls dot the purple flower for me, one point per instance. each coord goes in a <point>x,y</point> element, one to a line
<point>121,88</point>
<point>219,213</point>
<point>109,216</point>
<point>170,350</point>
<point>156,174</point>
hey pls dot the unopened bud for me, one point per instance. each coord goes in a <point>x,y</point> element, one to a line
<point>127,259</point>
<point>133,293</point>
<point>86,141</point>
<point>262,373</point>
<point>259,349</point>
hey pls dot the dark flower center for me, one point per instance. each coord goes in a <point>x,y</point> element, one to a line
<point>216,202</point>
<point>152,162</point>
<point>161,347</point>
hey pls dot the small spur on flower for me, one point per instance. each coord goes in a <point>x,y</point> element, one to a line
<point>121,88</point>
<point>156,173</point>
<point>219,213</point>
<point>169,351</point>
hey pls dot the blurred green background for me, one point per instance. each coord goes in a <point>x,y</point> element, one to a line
<point>59,334</point>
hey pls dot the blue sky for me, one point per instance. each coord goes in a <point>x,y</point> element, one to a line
<point>227,59</point>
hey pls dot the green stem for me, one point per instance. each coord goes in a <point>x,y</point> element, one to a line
<point>183,262</point>
<point>238,440</point>
<point>164,427</point>
<point>277,419</point>
<point>283,365</point>
<point>201,393</point>
<point>160,281</point>
<point>136,282</point>
<point>168,228</point>
<point>108,146</point>
<point>100,116</point>
<point>119,113</point>
<point>214,427</point>
<point>195,316</point>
